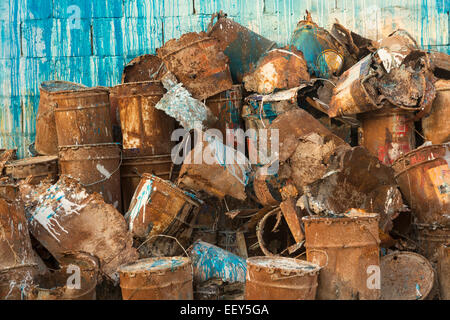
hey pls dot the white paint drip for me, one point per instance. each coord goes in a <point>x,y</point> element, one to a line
<point>103,171</point>
<point>140,200</point>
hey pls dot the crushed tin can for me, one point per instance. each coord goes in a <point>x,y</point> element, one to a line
<point>39,168</point>
<point>436,126</point>
<point>143,68</point>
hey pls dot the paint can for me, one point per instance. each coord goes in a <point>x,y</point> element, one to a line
<point>39,168</point>
<point>443,271</point>
<point>166,278</point>
<point>277,278</point>
<point>143,68</point>
<point>436,126</point>
<point>430,237</point>
<point>347,249</point>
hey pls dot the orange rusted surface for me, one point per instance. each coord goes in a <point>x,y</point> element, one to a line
<point>39,168</point>
<point>345,248</point>
<point>436,126</point>
<point>430,238</point>
<point>146,130</point>
<point>443,271</point>
<point>143,68</point>
<point>278,278</point>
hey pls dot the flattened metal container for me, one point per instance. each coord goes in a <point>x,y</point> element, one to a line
<point>168,278</point>
<point>346,249</point>
<point>198,62</point>
<point>146,130</point>
<point>46,142</point>
<point>97,168</point>
<point>159,207</point>
<point>387,133</point>
<point>38,167</point>
<point>277,278</point>
<point>242,46</point>
<point>405,276</point>
<point>430,238</point>
<point>436,126</point>
<point>210,261</point>
<point>424,179</point>
<point>83,116</point>
<point>132,169</point>
<point>443,271</point>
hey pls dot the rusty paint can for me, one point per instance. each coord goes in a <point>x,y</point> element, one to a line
<point>159,207</point>
<point>436,126</point>
<point>424,179</point>
<point>227,107</point>
<point>82,116</point>
<point>46,142</point>
<point>277,278</point>
<point>143,68</point>
<point>242,46</point>
<point>167,278</point>
<point>39,168</point>
<point>146,130</point>
<point>56,286</point>
<point>405,276</point>
<point>9,191</point>
<point>132,169</point>
<point>197,61</point>
<point>96,166</point>
<point>443,271</point>
<point>387,133</point>
<point>346,249</point>
<point>430,238</point>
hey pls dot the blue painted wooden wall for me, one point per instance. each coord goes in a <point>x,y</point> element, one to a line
<point>89,41</point>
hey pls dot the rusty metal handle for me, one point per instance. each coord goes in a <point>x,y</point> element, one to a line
<point>106,178</point>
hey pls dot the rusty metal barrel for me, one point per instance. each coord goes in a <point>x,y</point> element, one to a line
<point>387,133</point>
<point>39,168</point>
<point>133,168</point>
<point>83,116</point>
<point>277,278</point>
<point>46,142</point>
<point>146,130</point>
<point>347,248</point>
<point>424,178</point>
<point>443,271</point>
<point>96,166</point>
<point>436,126</point>
<point>430,238</point>
<point>167,278</point>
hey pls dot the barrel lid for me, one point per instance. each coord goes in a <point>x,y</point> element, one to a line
<point>30,161</point>
<point>405,276</point>
<point>155,264</point>
<point>283,263</point>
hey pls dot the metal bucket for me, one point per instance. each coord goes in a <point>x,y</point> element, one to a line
<point>197,61</point>
<point>168,278</point>
<point>347,249</point>
<point>276,278</point>
<point>146,130</point>
<point>96,166</point>
<point>405,276</point>
<point>387,133</point>
<point>443,271</point>
<point>83,116</point>
<point>424,178</point>
<point>132,169</point>
<point>57,285</point>
<point>430,238</point>
<point>241,45</point>
<point>159,207</point>
<point>436,126</point>
<point>39,168</point>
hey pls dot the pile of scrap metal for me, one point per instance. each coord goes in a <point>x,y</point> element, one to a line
<point>151,189</point>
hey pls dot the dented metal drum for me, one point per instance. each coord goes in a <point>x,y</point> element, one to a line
<point>146,130</point>
<point>346,249</point>
<point>96,166</point>
<point>424,179</point>
<point>430,238</point>
<point>198,62</point>
<point>277,278</point>
<point>39,168</point>
<point>436,126</point>
<point>83,116</point>
<point>168,278</point>
<point>443,271</point>
<point>46,142</point>
<point>132,169</point>
<point>387,133</point>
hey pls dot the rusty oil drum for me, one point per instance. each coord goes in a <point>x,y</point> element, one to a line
<point>39,168</point>
<point>83,116</point>
<point>159,207</point>
<point>277,278</point>
<point>443,271</point>
<point>97,168</point>
<point>424,178</point>
<point>436,126</point>
<point>430,238</point>
<point>146,130</point>
<point>346,248</point>
<point>132,169</point>
<point>46,142</point>
<point>168,278</point>
<point>387,133</point>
